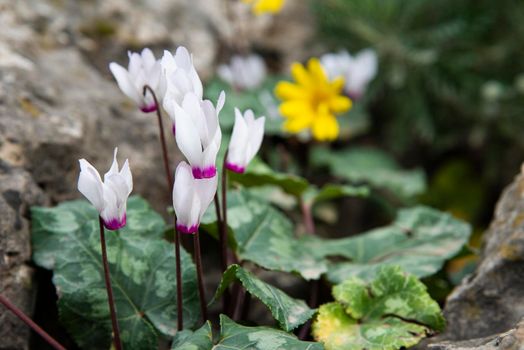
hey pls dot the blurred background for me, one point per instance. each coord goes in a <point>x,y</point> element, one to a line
<point>446,104</point>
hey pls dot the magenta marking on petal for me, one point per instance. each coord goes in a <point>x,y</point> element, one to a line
<point>186,229</point>
<point>235,168</point>
<point>115,224</point>
<point>205,173</point>
<point>148,109</point>
<point>174,129</point>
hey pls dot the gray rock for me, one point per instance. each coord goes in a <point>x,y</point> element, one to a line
<point>491,300</point>
<point>58,103</point>
<point>18,192</point>
<point>511,340</point>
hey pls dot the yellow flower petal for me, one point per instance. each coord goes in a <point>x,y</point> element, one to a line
<point>268,6</point>
<point>300,74</point>
<point>295,108</point>
<point>340,104</point>
<point>337,85</point>
<point>316,70</point>
<point>297,124</point>
<point>288,91</point>
<point>325,127</point>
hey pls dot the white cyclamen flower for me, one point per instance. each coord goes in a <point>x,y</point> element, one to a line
<point>198,133</point>
<point>244,72</point>
<point>110,196</point>
<point>191,198</point>
<point>357,70</point>
<point>246,140</point>
<point>181,75</point>
<point>144,69</point>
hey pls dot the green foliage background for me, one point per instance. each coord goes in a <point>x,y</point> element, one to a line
<point>450,84</point>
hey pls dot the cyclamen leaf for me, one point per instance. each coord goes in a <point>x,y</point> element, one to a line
<point>265,236</point>
<point>236,337</point>
<point>289,312</point>
<point>66,239</point>
<point>420,240</point>
<point>332,191</point>
<point>391,312</point>
<point>372,166</point>
<point>201,339</point>
<point>260,174</point>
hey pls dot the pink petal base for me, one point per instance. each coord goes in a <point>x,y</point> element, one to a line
<point>174,130</point>
<point>206,173</point>
<point>235,168</point>
<point>185,229</point>
<point>354,95</point>
<point>148,109</point>
<point>115,224</point>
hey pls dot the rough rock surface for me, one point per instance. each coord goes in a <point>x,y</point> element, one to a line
<point>58,102</point>
<point>511,340</point>
<point>491,300</point>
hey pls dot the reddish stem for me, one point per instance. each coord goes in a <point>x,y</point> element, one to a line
<point>169,177</point>
<point>109,288</point>
<point>179,296</point>
<point>200,275</point>
<point>20,314</point>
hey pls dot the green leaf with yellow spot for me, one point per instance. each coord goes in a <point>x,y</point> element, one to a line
<point>66,240</point>
<point>391,312</point>
<point>289,312</point>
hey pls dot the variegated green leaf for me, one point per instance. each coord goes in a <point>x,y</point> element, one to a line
<point>289,312</point>
<point>391,312</point>
<point>201,339</point>
<point>265,236</point>
<point>374,167</point>
<point>66,239</point>
<point>260,174</point>
<point>236,337</point>
<point>420,240</point>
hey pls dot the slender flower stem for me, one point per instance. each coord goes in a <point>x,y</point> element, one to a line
<point>20,314</point>
<point>313,303</point>
<point>201,290</point>
<point>223,256</point>
<point>110,299</point>
<point>167,168</point>
<point>314,289</point>
<point>241,296</point>
<point>223,231</point>
<point>226,298</point>
<point>307,217</point>
<point>179,296</point>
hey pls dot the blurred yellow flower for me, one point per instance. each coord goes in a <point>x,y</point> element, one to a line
<point>265,6</point>
<point>313,101</point>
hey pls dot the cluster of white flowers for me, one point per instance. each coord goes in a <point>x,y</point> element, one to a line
<point>173,83</point>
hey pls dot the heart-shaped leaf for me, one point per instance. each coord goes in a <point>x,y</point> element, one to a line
<point>66,239</point>
<point>289,312</point>
<point>201,339</point>
<point>391,312</point>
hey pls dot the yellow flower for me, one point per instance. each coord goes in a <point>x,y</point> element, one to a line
<point>313,101</point>
<point>265,6</point>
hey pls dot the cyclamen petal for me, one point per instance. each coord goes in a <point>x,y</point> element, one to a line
<point>110,196</point>
<point>246,140</point>
<point>143,69</point>
<point>198,133</point>
<point>181,75</point>
<point>191,198</point>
